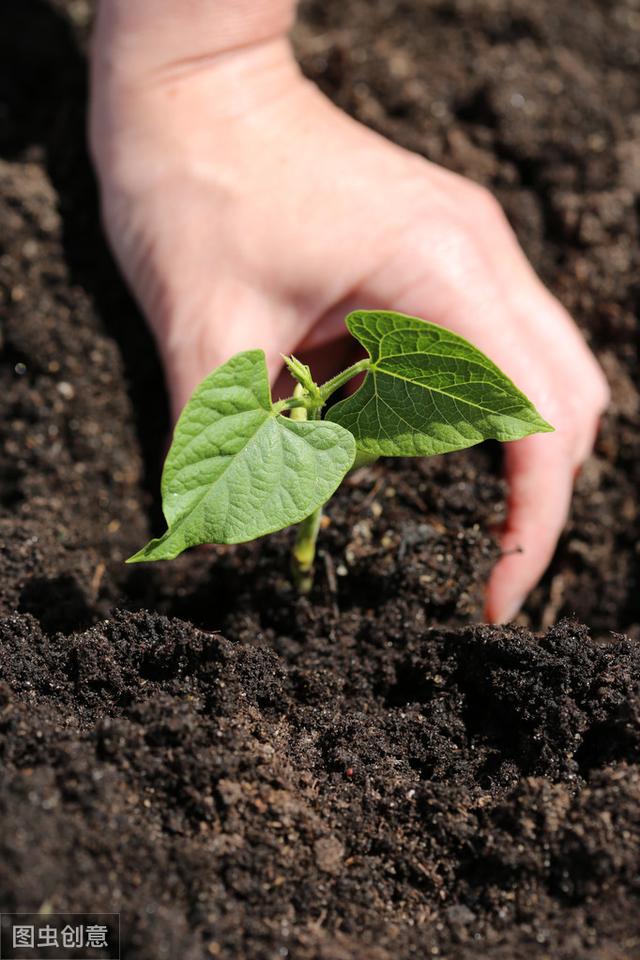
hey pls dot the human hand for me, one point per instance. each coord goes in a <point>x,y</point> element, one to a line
<point>246,210</point>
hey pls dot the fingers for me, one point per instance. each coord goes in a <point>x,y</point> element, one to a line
<point>532,305</point>
<point>197,340</point>
<point>540,471</point>
<point>473,278</point>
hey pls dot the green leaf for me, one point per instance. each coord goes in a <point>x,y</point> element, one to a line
<point>237,470</point>
<point>428,391</point>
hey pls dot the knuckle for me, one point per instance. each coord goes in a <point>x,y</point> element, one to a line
<point>449,244</point>
<point>483,205</point>
<point>592,392</point>
<point>461,242</point>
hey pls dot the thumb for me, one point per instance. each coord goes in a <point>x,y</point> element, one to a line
<point>195,341</point>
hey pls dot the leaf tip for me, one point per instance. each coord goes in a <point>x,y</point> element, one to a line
<point>540,425</point>
<point>138,557</point>
<point>146,554</point>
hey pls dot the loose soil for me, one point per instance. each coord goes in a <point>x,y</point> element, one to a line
<point>367,774</point>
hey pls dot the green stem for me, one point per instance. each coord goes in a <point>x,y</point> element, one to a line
<point>302,406</point>
<point>304,550</point>
<point>297,405</point>
<point>301,399</point>
<point>303,554</point>
<point>291,403</point>
<point>341,378</point>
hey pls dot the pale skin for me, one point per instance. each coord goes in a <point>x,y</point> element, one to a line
<point>247,211</point>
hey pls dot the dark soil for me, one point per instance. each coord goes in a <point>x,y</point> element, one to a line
<point>365,775</point>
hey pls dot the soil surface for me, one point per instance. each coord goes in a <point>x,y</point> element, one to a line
<point>367,774</point>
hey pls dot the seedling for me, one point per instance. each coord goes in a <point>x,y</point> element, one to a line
<point>241,466</point>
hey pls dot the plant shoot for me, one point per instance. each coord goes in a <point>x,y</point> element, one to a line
<point>242,466</point>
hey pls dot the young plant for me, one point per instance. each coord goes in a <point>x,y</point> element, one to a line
<point>241,466</point>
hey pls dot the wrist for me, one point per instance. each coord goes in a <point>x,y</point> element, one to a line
<point>132,99</point>
<point>163,36</point>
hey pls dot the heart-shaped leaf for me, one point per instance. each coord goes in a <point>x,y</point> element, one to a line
<point>428,391</point>
<point>237,470</point>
